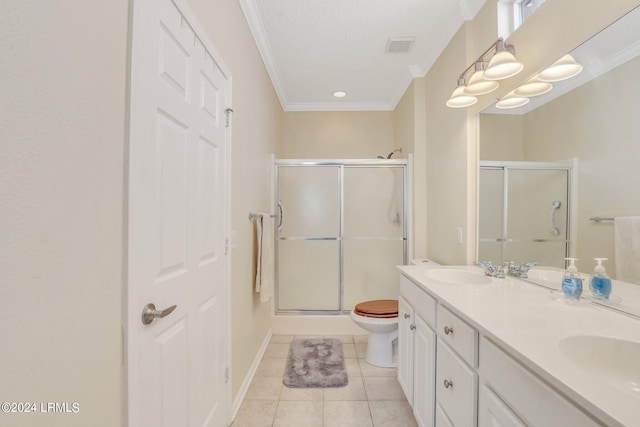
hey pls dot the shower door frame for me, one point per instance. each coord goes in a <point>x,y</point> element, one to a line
<point>570,166</point>
<point>340,163</point>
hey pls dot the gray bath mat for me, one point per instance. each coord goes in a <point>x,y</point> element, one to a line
<point>315,362</point>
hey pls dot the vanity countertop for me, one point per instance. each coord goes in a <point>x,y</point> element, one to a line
<point>528,321</point>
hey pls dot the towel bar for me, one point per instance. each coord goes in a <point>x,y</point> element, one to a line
<point>258,215</point>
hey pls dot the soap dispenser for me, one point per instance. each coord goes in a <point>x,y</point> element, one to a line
<point>571,281</point>
<point>600,283</point>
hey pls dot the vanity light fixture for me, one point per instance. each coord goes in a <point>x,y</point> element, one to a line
<point>458,98</point>
<point>503,64</point>
<point>339,94</point>
<point>533,87</point>
<point>477,84</point>
<point>564,68</point>
<point>512,101</point>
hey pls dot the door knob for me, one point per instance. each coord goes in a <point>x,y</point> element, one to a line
<point>149,313</point>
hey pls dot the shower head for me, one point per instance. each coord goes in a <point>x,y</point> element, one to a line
<point>394,151</point>
<point>391,154</point>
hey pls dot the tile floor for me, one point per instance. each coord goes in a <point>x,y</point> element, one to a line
<point>373,397</point>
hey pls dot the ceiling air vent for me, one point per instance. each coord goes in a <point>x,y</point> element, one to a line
<point>399,44</point>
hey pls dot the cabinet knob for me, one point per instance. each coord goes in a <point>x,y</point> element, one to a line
<point>407,315</point>
<point>448,330</point>
<point>412,327</point>
<point>448,384</point>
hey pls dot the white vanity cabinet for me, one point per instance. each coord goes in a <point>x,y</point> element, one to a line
<point>496,365</point>
<point>417,350</point>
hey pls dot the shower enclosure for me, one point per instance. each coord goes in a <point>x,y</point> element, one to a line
<point>524,212</point>
<point>342,231</point>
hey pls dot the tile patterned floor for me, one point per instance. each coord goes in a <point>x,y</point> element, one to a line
<point>373,397</point>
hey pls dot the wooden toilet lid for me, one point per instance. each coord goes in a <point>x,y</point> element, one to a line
<point>383,308</point>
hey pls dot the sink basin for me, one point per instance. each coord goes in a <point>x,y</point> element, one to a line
<point>457,277</point>
<point>613,360</point>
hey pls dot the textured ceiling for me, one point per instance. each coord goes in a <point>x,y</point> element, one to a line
<point>312,48</point>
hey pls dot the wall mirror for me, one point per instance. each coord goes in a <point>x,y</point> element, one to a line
<point>529,209</point>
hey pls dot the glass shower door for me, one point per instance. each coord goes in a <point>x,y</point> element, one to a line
<point>308,242</point>
<point>374,232</point>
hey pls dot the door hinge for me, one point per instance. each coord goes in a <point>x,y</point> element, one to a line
<point>226,375</point>
<point>228,111</point>
<point>226,246</point>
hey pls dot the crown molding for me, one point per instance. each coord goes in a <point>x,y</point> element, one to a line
<point>250,10</point>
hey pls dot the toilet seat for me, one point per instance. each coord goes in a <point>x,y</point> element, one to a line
<point>382,308</point>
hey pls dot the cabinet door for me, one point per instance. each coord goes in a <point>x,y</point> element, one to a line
<point>424,373</point>
<point>405,348</point>
<point>492,412</point>
<point>456,387</point>
<point>441,418</point>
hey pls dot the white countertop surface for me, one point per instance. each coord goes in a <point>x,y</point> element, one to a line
<point>528,322</point>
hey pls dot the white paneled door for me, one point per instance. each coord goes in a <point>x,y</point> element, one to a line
<point>178,209</point>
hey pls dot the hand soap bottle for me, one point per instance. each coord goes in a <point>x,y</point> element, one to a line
<point>571,281</point>
<point>600,283</point>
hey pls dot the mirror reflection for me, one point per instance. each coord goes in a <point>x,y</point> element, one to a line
<point>552,168</point>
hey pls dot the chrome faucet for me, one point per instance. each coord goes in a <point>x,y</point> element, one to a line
<point>519,270</point>
<point>492,270</point>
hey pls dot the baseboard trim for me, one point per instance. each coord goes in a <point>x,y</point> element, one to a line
<point>235,407</point>
<point>314,325</point>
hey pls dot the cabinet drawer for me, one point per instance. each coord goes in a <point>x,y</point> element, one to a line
<point>423,304</point>
<point>525,394</point>
<point>461,337</point>
<point>456,387</point>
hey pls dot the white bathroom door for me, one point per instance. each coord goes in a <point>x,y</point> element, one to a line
<point>178,209</point>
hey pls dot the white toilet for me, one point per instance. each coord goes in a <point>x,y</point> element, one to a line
<point>380,318</point>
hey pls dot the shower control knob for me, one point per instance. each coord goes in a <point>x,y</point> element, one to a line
<point>448,330</point>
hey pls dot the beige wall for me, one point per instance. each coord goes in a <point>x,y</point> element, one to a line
<point>337,135</point>
<point>404,121</point>
<point>409,134</point>
<point>62,131</point>
<point>501,137</point>
<point>597,123</point>
<point>63,134</point>
<point>451,155</point>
